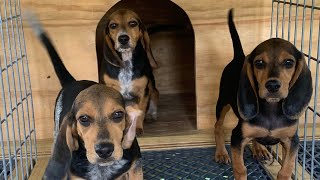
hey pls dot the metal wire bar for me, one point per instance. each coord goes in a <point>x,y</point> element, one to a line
<point>300,5</point>
<point>296,25</point>
<point>289,21</point>
<point>277,23</point>
<point>283,19</point>
<point>31,111</point>
<point>317,113</point>
<point>272,12</point>
<point>13,62</point>
<point>31,119</point>
<point>306,113</point>
<point>315,97</point>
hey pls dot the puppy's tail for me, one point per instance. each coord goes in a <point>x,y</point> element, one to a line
<point>237,47</point>
<point>63,74</point>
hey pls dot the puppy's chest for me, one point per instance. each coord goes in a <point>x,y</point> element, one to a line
<point>125,78</point>
<point>106,172</point>
<point>270,128</point>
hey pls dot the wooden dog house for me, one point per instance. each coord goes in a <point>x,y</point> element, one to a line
<point>192,53</point>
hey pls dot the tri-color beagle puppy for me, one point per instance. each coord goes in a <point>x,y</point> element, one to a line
<point>126,63</point>
<point>96,138</point>
<point>268,91</point>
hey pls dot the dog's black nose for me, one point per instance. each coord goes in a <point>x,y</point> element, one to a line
<point>123,39</point>
<point>273,86</point>
<point>104,150</point>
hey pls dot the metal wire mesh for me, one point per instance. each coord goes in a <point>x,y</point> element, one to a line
<point>299,22</point>
<point>17,133</point>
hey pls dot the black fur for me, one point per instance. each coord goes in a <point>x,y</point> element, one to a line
<point>63,74</point>
<point>230,80</point>
<point>62,160</point>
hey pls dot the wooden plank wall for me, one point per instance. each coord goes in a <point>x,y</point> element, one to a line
<point>72,25</point>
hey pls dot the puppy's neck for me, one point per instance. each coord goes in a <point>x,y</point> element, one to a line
<point>273,108</point>
<point>126,56</point>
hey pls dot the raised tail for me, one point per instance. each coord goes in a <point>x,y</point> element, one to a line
<point>237,47</point>
<point>63,74</point>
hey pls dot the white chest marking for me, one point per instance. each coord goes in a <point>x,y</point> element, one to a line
<point>125,74</point>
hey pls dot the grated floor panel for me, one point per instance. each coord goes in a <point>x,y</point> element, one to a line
<point>316,160</point>
<point>195,163</point>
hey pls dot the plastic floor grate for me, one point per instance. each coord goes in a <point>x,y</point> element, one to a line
<point>193,164</point>
<point>316,160</point>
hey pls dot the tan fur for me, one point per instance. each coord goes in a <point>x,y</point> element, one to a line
<point>239,169</point>
<point>256,132</point>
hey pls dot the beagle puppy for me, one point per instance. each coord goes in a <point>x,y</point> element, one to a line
<point>126,63</point>
<point>95,136</point>
<point>268,90</point>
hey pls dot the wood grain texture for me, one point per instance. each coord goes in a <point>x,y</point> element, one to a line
<point>72,26</point>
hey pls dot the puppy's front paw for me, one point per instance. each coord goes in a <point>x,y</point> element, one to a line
<point>260,152</point>
<point>222,157</point>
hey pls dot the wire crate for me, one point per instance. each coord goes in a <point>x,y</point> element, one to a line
<point>18,152</point>
<point>299,22</point>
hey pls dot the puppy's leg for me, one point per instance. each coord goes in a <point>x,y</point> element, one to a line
<point>134,173</point>
<point>238,142</point>
<point>221,154</point>
<point>260,152</point>
<point>153,105</point>
<point>290,147</point>
<point>143,107</point>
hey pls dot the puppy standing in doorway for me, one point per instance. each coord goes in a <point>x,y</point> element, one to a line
<point>126,63</point>
<point>95,138</point>
<point>268,91</point>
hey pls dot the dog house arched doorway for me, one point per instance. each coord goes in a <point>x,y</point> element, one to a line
<point>172,44</point>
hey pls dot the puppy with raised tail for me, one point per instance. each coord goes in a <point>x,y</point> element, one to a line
<point>95,138</point>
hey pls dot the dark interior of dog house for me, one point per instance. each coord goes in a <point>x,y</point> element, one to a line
<point>50,130</point>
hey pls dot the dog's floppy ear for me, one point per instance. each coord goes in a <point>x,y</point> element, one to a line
<point>132,115</point>
<point>109,52</point>
<point>145,40</point>
<point>300,90</point>
<point>71,132</point>
<point>59,162</point>
<point>247,97</point>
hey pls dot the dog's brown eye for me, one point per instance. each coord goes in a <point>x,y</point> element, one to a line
<point>117,116</point>
<point>288,63</point>
<point>113,26</point>
<point>84,120</point>
<point>259,64</point>
<point>133,23</point>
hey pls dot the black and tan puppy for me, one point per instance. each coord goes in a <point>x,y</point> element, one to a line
<point>268,91</point>
<point>95,138</point>
<point>126,63</point>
